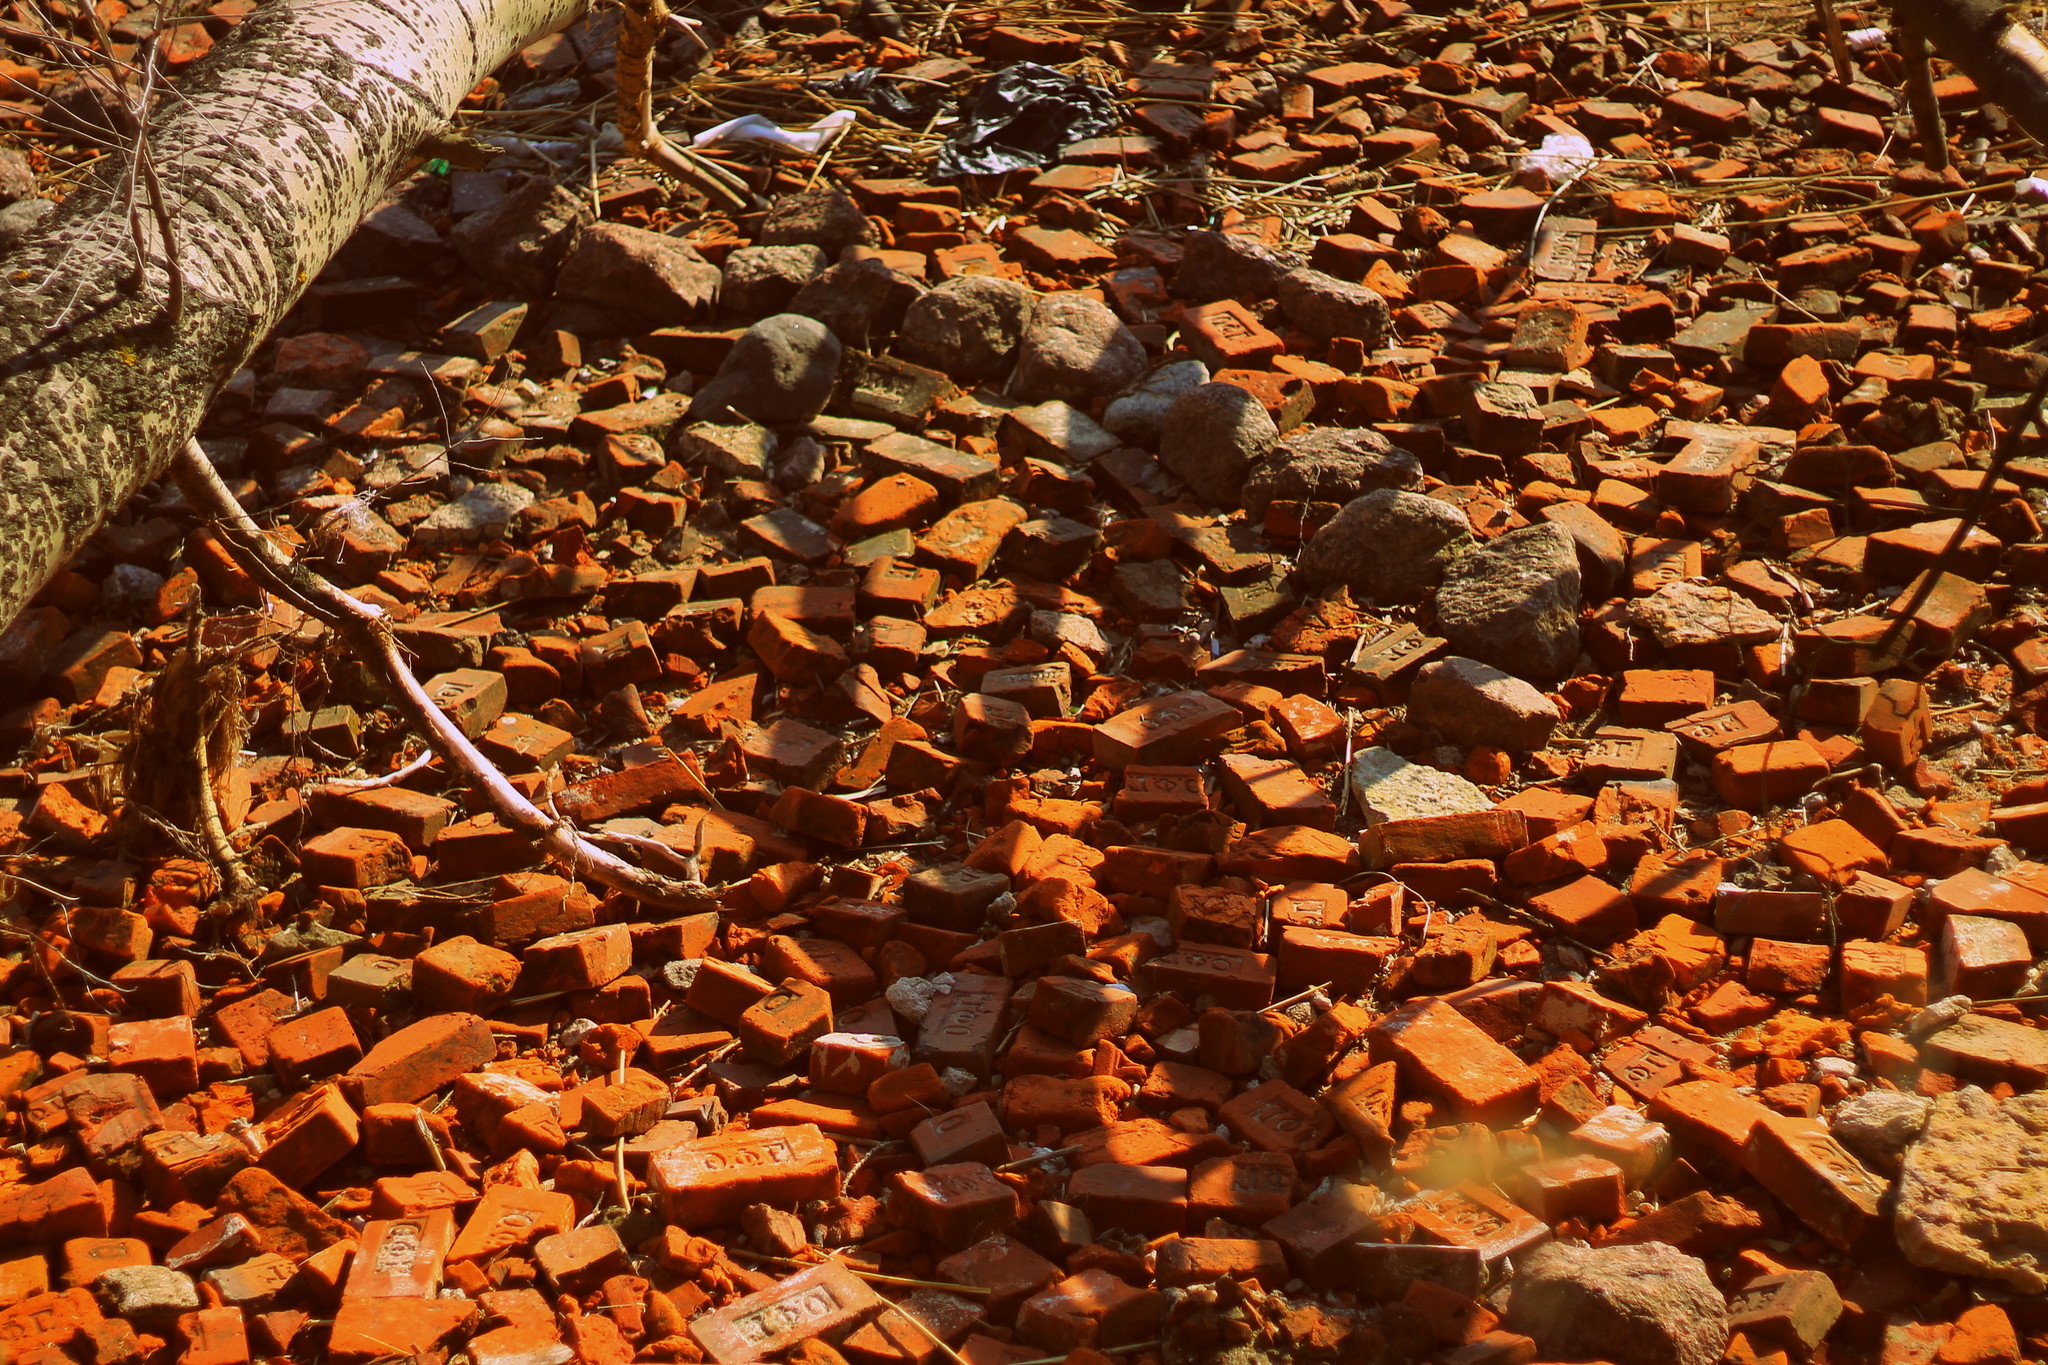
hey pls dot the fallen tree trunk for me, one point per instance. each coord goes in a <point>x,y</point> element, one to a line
<point>267,155</point>
<point>2006,61</point>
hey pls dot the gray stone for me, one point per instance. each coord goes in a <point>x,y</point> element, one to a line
<point>1151,589</point>
<point>481,514</point>
<point>17,180</point>
<point>1973,1190</point>
<point>1219,265</point>
<point>967,326</point>
<point>863,302</point>
<point>1879,1125</point>
<point>19,219</point>
<point>826,218</point>
<point>1061,431</point>
<point>128,586</point>
<point>1212,437</point>
<point>643,274</point>
<point>1514,602</point>
<point>1686,613</point>
<point>1075,348</point>
<point>743,450</point>
<point>1469,703</point>
<point>1722,332</point>
<point>1330,464</point>
<point>801,464</point>
<point>1325,306</point>
<point>524,237</point>
<point>1387,786</point>
<point>1390,546</point>
<point>146,1295</point>
<point>760,280</point>
<point>782,370</point>
<point>1631,1305</point>
<point>1137,416</point>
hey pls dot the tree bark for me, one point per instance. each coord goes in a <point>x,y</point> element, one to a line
<point>2007,62</point>
<point>269,153</point>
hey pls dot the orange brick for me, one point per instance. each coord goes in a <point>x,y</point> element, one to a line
<point>1757,776</point>
<point>709,1180</point>
<point>1445,1054</point>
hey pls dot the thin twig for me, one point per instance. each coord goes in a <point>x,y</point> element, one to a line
<point>364,627</point>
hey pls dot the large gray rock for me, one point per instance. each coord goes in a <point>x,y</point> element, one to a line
<point>1469,703</point>
<point>1212,437</point>
<point>1330,464</point>
<point>1514,602</point>
<point>1137,416</point>
<point>483,513</point>
<point>1325,306</point>
<point>1075,348</point>
<point>1632,1305</point>
<point>863,301</point>
<point>523,238</point>
<point>1220,265</point>
<point>1879,1125</point>
<point>147,1295</point>
<point>825,218</point>
<point>781,371</point>
<point>760,280</point>
<point>967,327</point>
<point>643,274</point>
<point>1389,787</point>
<point>1390,546</point>
<point>21,218</point>
<point>1973,1192</point>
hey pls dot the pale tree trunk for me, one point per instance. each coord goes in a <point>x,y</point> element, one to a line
<point>269,152</point>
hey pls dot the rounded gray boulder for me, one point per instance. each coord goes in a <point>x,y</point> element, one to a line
<point>1211,438</point>
<point>1330,464</point>
<point>1075,348</point>
<point>967,327</point>
<point>1389,545</point>
<point>780,372</point>
<point>1632,1305</point>
<point>1514,602</point>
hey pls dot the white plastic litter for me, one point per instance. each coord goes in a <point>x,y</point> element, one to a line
<point>1864,39</point>
<point>2033,187</point>
<point>753,128</point>
<point>1563,157</point>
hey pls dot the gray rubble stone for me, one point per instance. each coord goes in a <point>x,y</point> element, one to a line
<point>968,326</point>
<point>21,218</point>
<point>1219,265</point>
<point>1387,786</point>
<point>147,1295</point>
<point>760,280</point>
<point>642,274</point>
<point>1212,437</point>
<point>1330,464</point>
<point>1471,703</point>
<point>523,238</point>
<point>863,301</point>
<point>1136,416</point>
<point>1389,545</point>
<point>1973,1190</point>
<point>1514,602</point>
<point>1325,306</point>
<point>781,371</point>
<point>1631,1305</point>
<point>1879,1125</point>
<point>1075,348</point>
<point>826,218</point>
<point>481,514</point>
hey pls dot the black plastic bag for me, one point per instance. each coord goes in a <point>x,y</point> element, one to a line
<point>1021,118</point>
<point>909,103</point>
